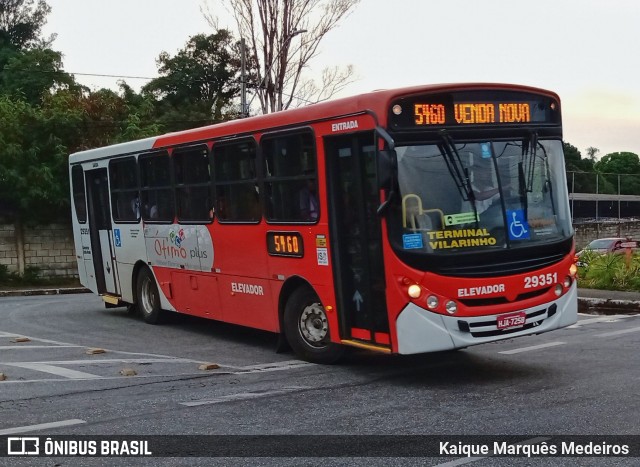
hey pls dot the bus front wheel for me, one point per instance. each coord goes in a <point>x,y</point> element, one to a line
<point>307,328</point>
<point>148,297</point>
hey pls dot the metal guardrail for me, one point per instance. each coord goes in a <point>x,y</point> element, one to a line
<point>603,196</point>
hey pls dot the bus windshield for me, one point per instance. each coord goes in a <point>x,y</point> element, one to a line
<point>480,196</point>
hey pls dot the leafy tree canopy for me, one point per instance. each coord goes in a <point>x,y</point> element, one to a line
<point>619,163</point>
<point>32,73</point>
<point>574,161</point>
<point>621,171</point>
<point>21,23</point>
<point>32,163</point>
<point>196,85</point>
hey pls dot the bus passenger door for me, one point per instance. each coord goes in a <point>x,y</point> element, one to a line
<point>100,230</point>
<point>356,236</point>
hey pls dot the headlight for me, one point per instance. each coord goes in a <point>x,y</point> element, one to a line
<point>451,307</point>
<point>414,291</point>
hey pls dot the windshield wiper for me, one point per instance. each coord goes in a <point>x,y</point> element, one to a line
<point>529,149</point>
<point>459,173</point>
<point>548,186</point>
<point>522,188</point>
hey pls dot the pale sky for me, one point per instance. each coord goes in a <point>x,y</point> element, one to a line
<point>584,50</point>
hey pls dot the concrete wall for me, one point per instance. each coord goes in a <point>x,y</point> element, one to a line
<point>48,248</point>
<point>8,250</point>
<point>587,232</point>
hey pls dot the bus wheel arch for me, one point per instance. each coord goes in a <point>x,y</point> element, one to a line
<point>132,308</point>
<point>304,322</point>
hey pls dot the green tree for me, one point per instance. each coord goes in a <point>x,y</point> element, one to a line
<point>592,153</point>
<point>36,142</point>
<point>198,84</point>
<point>94,119</point>
<point>21,23</point>
<point>140,121</point>
<point>33,73</point>
<point>622,166</point>
<point>32,164</point>
<point>27,66</point>
<point>580,174</point>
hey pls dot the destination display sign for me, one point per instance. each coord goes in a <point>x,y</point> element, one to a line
<point>285,244</point>
<point>477,108</point>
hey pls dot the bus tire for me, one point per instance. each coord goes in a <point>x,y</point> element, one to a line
<point>307,328</point>
<point>148,297</point>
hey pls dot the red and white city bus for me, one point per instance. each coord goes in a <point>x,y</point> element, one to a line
<point>401,221</point>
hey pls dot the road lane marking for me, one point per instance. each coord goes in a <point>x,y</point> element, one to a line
<point>41,426</point>
<point>244,396</point>
<point>605,319</point>
<point>54,370</point>
<point>50,366</point>
<point>533,347</point>
<point>27,346</point>
<point>262,366</point>
<point>44,341</point>
<point>90,361</point>
<point>273,366</point>
<point>617,333</point>
<point>468,460</point>
<point>107,378</point>
<point>68,344</point>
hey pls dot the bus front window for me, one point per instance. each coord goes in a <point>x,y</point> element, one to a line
<point>479,196</point>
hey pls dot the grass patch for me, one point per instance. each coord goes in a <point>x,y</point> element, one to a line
<point>609,272</point>
<point>32,278</point>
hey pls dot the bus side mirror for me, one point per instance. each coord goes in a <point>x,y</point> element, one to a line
<point>387,166</point>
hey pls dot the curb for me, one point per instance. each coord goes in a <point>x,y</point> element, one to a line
<point>57,291</point>
<point>607,306</point>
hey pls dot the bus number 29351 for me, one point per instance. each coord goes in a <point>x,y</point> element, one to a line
<point>532,282</point>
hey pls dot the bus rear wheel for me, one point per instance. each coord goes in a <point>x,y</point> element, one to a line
<point>307,329</point>
<point>148,297</point>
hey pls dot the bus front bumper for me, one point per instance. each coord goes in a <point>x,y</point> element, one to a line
<point>420,330</point>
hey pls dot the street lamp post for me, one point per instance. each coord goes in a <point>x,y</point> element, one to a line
<point>245,106</point>
<point>243,84</point>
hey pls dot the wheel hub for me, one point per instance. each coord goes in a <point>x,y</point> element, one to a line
<point>147,296</point>
<point>313,323</point>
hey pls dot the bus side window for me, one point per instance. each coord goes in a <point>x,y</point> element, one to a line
<point>79,197</point>
<point>193,184</point>
<point>237,196</point>
<point>156,189</point>
<point>123,180</point>
<point>290,177</point>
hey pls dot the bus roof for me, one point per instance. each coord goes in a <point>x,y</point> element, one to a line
<point>375,101</point>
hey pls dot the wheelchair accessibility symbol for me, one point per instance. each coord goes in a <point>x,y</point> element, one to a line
<point>117,238</point>
<point>518,226</point>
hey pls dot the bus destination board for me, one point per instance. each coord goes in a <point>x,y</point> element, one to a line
<point>458,109</point>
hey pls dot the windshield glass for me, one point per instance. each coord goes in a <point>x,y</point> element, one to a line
<point>480,196</point>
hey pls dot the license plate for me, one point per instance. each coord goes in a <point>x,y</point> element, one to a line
<point>512,320</point>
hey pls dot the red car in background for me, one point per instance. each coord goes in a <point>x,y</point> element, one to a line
<point>607,245</point>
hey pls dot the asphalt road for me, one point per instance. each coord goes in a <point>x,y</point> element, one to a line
<point>582,380</point>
